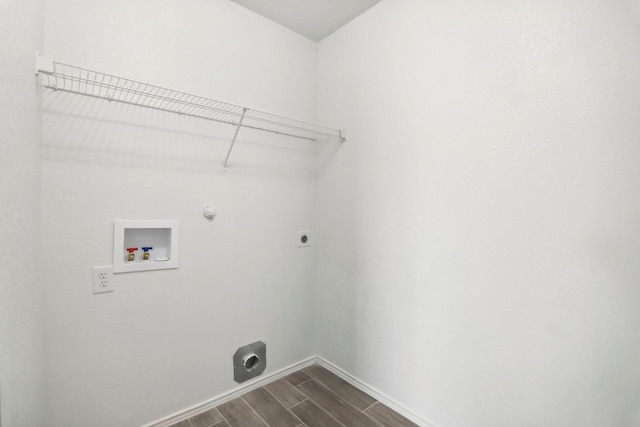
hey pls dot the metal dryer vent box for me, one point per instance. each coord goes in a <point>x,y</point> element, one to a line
<point>249,361</point>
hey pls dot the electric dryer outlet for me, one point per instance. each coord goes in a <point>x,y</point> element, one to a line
<point>304,239</point>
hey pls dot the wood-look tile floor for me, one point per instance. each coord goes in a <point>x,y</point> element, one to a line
<point>310,397</point>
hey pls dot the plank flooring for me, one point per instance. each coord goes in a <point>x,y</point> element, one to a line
<point>310,397</point>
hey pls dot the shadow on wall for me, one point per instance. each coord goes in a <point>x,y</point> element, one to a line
<point>325,152</point>
<point>81,129</point>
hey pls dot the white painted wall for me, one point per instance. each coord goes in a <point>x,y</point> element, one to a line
<point>21,320</point>
<point>164,340</point>
<point>479,231</point>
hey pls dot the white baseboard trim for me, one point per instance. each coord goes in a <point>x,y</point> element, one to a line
<point>375,393</point>
<point>225,397</point>
<point>259,382</point>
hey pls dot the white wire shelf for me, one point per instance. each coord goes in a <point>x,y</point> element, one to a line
<point>69,78</point>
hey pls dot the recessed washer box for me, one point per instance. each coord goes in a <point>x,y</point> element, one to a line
<point>140,245</point>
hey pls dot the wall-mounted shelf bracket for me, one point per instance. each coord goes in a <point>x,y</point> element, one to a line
<point>69,78</point>
<point>235,135</point>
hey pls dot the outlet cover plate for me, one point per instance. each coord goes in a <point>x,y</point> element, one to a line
<point>103,279</point>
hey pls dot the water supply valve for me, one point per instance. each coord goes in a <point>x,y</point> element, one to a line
<point>132,254</point>
<point>145,255</point>
<point>145,245</point>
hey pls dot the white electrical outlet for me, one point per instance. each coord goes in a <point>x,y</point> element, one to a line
<point>103,279</point>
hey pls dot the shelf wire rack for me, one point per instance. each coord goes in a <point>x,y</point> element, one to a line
<point>70,78</point>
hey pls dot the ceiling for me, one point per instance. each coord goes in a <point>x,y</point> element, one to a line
<point>315,19</point>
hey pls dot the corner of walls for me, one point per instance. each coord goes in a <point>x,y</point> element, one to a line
<point>21,305</point>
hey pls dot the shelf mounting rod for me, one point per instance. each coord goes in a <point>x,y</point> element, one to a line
<point>235,135</point>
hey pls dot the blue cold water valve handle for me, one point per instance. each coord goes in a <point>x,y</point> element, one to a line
<point>147,249</point>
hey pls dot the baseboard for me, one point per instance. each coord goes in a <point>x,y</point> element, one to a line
<point>225,397</point>
<point>375,393</point>
<point>262,380</point>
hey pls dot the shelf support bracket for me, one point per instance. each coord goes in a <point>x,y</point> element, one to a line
<point>44,65</point>
<point>235,135</point>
